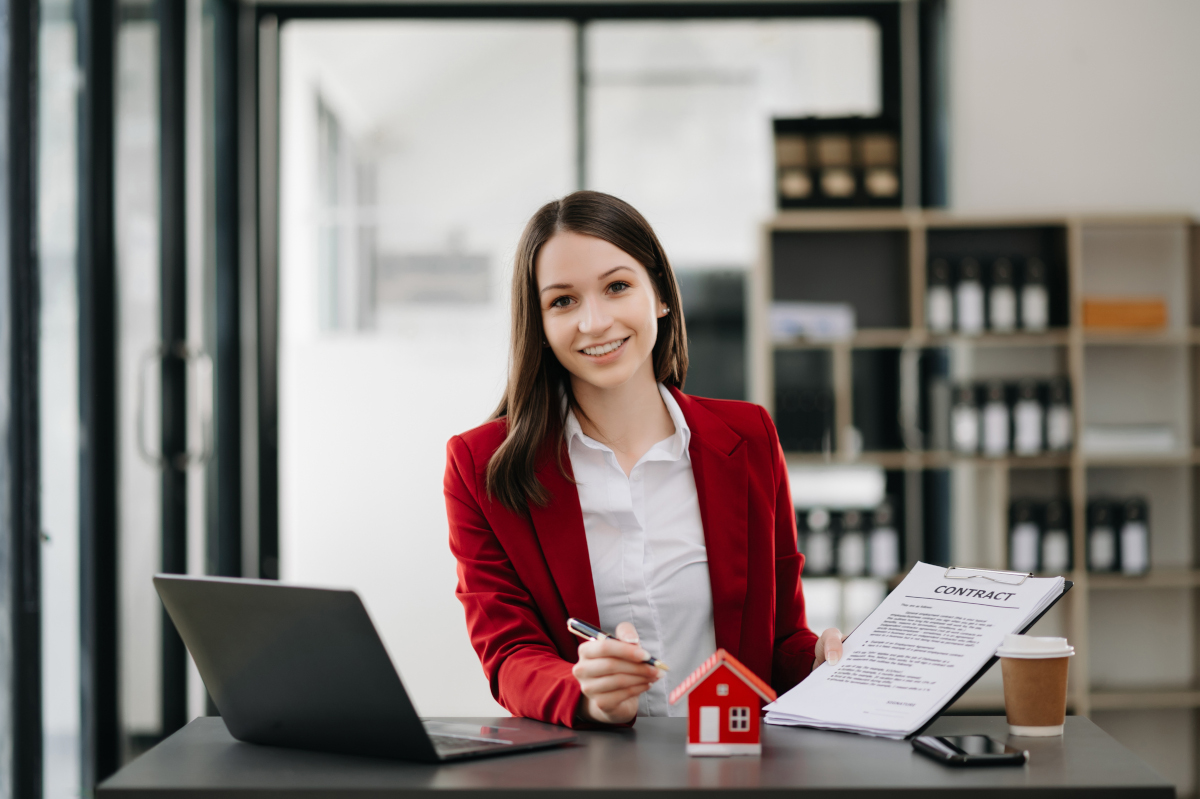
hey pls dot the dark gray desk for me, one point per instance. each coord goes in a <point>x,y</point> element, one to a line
<point>202,760</point>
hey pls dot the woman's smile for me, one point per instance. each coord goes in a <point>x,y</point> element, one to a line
<point>599,351</point>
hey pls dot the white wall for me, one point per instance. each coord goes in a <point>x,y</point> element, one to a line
<point>1075,105</point>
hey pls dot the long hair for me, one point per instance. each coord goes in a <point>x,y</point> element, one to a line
<point>531,400</point>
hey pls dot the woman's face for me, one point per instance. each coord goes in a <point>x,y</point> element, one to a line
<point>600,309</point>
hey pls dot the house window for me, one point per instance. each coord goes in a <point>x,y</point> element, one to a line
<point>722,689</point>
<point>739,719</point>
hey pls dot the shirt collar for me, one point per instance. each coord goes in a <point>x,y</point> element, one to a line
<point>672,448</point>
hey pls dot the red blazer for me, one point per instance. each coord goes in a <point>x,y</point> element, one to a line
<point>521,576</point>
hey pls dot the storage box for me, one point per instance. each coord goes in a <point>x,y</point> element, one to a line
<point>1140,314</point>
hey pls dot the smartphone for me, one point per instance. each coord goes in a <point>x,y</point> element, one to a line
<point>969,750</point>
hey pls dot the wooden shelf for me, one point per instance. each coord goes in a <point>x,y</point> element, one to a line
<point>1156,578</point>
<point>869,338</point>
<point>867,219</point>
<point>990,701</point>
<point>1144,700</point>
<point>931,460</point>
<point>1134,338</point>
<point>1131,376</point>
<point>1050,338</point>
<point>1099,700</point>
<point>1184,458</point>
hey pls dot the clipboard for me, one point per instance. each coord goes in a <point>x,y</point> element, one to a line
<point>1067,585</point>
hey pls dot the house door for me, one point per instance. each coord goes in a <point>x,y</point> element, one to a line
<point>710,725</point>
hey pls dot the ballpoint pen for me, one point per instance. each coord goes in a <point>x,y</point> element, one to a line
<point>587,631</point>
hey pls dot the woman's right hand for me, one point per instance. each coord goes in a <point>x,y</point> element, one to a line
<point>829,648</point>
<point>612,676</point>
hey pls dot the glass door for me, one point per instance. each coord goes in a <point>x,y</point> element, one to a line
<point>165,375</point>
<point>412,153</point>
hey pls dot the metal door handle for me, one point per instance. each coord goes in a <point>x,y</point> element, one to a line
<point>193,357</point>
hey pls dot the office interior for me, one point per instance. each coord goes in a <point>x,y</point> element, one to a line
<point>257,275</point>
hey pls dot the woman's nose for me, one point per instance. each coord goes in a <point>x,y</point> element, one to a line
<point>594,318</point>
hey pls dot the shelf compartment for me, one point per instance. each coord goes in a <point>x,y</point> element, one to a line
<point>876,398</point>
<point>989,240</point>
<point>1129,260</point>
<point>1131,386</point>
<point>1168,493</point>
<point>1140,640</point>
<point>865,268</point>
<point>804,400</point>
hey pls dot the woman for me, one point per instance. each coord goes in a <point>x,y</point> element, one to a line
<point>600,491</point>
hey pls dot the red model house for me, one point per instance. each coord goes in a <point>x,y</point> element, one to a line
<point>724,700</point>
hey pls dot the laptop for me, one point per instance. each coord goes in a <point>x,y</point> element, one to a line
<point>304,667</point>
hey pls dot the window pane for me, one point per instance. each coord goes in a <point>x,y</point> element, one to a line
<point>412,153</point>
<point>58,88</point>
<point>679,118</point>
<point>139,497</point>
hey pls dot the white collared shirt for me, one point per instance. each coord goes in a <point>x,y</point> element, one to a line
<point>646,545</point>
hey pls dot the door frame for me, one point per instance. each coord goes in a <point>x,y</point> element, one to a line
<point>20,484</point>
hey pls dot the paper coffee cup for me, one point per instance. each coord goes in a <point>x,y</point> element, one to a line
<point>1035,684</point>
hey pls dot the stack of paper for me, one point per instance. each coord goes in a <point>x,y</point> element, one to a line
<point>931,636</point>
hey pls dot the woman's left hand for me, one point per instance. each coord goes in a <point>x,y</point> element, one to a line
<point>829,647</point>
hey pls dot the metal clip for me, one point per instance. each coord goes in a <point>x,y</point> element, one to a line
<point>983,573</point>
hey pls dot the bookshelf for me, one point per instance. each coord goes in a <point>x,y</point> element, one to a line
<point>1137,639</point>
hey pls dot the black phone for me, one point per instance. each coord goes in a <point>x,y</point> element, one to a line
<point>969,750</point>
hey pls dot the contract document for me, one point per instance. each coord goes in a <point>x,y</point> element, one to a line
<point>928,639</point>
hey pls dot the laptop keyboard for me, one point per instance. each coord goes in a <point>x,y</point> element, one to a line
<point>449,744</point>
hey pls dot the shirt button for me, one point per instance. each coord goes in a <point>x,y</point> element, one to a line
<point>637,476</point>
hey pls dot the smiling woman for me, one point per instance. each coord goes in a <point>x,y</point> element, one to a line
<point>590,321</point>
<point>602,492</point>
<point>588,273</point>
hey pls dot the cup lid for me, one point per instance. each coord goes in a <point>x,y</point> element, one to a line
<point>1030,646</point>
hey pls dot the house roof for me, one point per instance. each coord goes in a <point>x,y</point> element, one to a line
<point>721,656</point>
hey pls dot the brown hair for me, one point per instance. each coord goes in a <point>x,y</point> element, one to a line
<point>531,400</point>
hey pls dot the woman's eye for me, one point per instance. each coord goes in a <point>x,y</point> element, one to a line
<point>618,287</point>
<point>560,302</point>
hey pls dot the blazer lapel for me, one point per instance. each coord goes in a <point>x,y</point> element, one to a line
<point>722,484</point>
<point>559,527</point>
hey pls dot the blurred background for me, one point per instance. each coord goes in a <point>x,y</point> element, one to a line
<point>266,249</point>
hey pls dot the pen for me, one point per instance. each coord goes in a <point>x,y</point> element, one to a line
<point>585,630</point>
